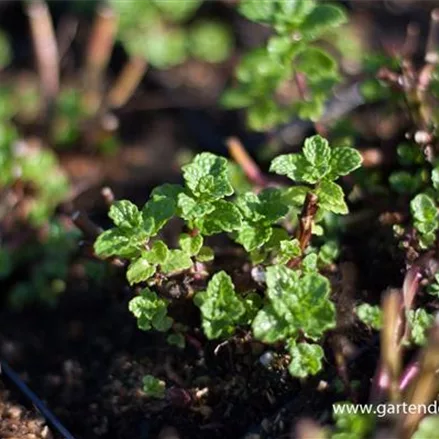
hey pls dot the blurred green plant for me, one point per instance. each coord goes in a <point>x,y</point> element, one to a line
<point>290,55</point>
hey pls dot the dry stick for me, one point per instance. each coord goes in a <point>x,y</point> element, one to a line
<point>425,75</point>
<point>425,386</point>
<point>390,337</point>
<point>127,81</point>
<point>86,225</point>
<point>98,55</point>
<point>45,46</point>
<point>247,164</point>
<point>306,219</point>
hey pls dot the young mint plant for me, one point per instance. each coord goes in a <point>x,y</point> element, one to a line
<point>296,308</point>
<point>297,305</point>
<point>290,52</point>
<point>150,311</point>
<point>221,308</point>
<point>319,166</point>
<point>153,387</point>
<point>370,315</point>
<point>419,321</point>
<point>426,219</point>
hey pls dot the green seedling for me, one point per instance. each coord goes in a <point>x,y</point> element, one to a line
<point>296,308</point>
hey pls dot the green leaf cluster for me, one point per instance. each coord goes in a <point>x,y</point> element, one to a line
<point>349,425</point>
<point>158,31</point>
<point>150,311</point>
<point>298,304</point>
<point>320,165</point>
<point>222,309</point>
<point>420,322</point>
<point>290,51</point>
<point>33,167</point>
<point>425,218</point>
<point>153,387</point>
<point>370,315</point>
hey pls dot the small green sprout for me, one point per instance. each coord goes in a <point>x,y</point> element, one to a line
<point>153,387</point>
<point>420,321</point>
<point>150,311</point>
<point>221,308</point>
<point>426,219</point>
<point>370,315</point>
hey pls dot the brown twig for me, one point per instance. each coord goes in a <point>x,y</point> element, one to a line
<point>98,55</point>
<point>247,164</point>
<point>45,46</point>
<point>127,82</point>
<point>84,223</point>
<point>306,220</point>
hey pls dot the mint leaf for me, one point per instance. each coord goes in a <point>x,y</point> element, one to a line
<point>370,315</point>
<point>425,213</point>
<point>177,260</point>
<point>115,242</point>
<point>331,197</point>
<point>252,237</point>
<point>153,387</point>
<point>225,218</point>
<point>343,161</point>
<point>289,249</point>
<point>322,19</point>
<point>268,326</point>
<point>257,10</point>
<point>191,209</point>
<point>328,253</point>
<point>301,299</point>
<point>306,359</point>
<point>205,254</point>
<point>168,190</point>
<point>298,168</point>
<point>316,150</point>
<point>268,206</point>
<point>420,322</point>
<point>190,244</point>
<point>139,270</point>
<point>220,306</point>
<point>125,214</point>
<point>157,212</point>
<point>317,64</point>
<point>207,177</point>
<point>149,310</point>
<point>158,254</point>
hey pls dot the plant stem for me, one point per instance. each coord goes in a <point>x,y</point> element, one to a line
<point>45,47</point>
<point>98,55</point>
<point>127,82</point>
<point>306,219</point>
<point>247,164</point>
